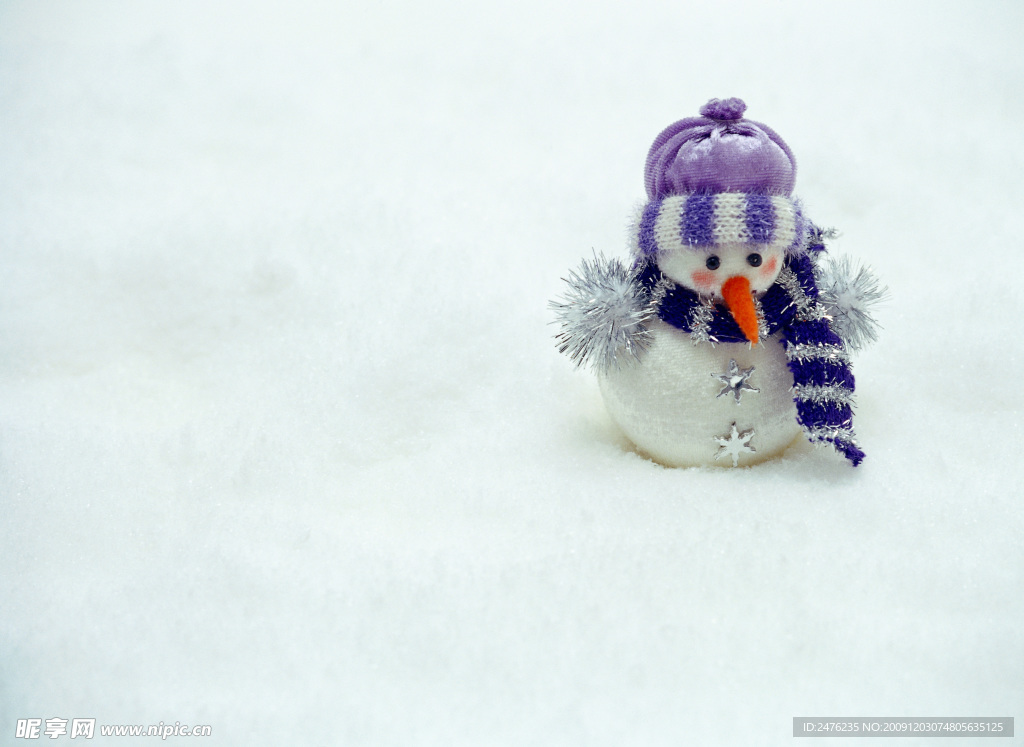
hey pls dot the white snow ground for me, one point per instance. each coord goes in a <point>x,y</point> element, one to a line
<point>285,444</point>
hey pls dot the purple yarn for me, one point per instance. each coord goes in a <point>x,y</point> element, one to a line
<point>760,218</point>
<point>698,220</point>
<point>646,238</point>
<point>720,152</point>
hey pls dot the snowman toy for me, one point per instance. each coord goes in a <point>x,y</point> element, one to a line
<point>728,336</point>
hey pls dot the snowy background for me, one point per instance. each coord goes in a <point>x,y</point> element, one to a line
<point>285,444</point>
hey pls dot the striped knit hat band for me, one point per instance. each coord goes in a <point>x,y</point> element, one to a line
<point>701,220</point>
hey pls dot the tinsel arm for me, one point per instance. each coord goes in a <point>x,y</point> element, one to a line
<point>603,314</point>
<point>849,293</point>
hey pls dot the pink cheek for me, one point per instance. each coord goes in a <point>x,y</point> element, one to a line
<point>769,268</point>
<point>703,278</point>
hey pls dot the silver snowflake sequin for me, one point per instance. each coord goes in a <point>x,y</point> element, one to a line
<point>734,444</point>
<point>735,381</point>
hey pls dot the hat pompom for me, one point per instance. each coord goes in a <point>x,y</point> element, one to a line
<point>724,110</point>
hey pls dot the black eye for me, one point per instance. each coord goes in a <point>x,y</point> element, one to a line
<point>713,262</point>
<point>754,260</point>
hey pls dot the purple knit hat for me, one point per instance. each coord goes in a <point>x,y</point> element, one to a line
<point>719,152</point>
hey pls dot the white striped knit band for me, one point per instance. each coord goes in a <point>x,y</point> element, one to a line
<point>706,220</point>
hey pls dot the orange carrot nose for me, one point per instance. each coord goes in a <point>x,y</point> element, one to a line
<point>736,292</point>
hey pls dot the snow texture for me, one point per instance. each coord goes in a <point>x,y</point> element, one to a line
<point>286,446</point>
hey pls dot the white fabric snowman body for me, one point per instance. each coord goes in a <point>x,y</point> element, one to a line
<point>687,404</point>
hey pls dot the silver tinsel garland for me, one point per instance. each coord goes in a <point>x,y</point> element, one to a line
<point>603,315</point>
<point>849,295</point>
